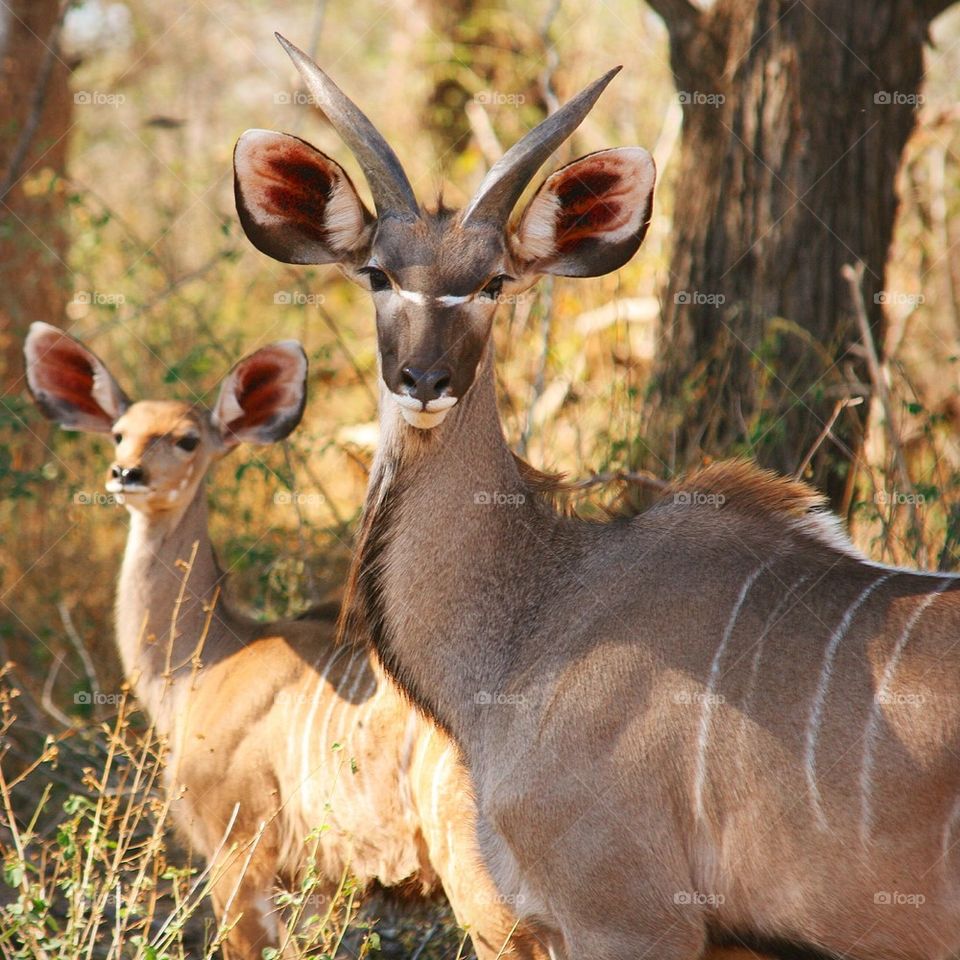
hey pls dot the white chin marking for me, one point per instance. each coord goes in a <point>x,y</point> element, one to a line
<point>423,419</point>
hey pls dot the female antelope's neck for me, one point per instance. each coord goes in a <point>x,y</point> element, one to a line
<point>451,535</point>
<point>168,583</point>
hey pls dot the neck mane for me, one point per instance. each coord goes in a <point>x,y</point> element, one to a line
<point>441,628</point>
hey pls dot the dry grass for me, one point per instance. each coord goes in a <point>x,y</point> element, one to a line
<point>171,295</point>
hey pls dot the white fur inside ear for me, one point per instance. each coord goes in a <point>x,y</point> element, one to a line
<point>107,394</point>
<point>536,239</point>
<point>228,408</point>
<point>343,218</point>
<point>619,181</point>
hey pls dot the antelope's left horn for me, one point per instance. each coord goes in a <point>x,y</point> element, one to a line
<point>389,185</point>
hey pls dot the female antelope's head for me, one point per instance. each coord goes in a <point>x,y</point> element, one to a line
<point>436,278</point>
<point>165,447</point>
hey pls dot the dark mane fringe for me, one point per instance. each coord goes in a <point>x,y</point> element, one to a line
<point>545,484</point>
<point>747,488</point>
<point>362,615</point>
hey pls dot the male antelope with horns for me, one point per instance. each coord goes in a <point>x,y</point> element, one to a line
<point>251,710</point>
<point>713,723</point>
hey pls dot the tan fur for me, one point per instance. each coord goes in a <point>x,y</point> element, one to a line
<point>251,714</point>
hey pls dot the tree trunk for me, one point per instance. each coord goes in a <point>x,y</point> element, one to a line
<point>35,104</point>
<point>795,118</point>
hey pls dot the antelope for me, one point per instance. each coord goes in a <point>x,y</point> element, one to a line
<point>251,732</point>
<point>714,723</point>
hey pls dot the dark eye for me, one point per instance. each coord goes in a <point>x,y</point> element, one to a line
<point>377,278</point>
<point>118,438</point>
<point>188,443</point>
<point>494,287</point>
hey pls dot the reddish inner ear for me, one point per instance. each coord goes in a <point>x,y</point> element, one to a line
<point>261,391</point>
<point>66,375</point>
<point>295,186</point>
<point>591,202</point>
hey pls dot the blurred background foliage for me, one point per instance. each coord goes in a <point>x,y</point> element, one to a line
<point>122,229</point>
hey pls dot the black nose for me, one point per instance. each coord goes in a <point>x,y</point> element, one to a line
<point>425,385</point>
<point>127,474</point>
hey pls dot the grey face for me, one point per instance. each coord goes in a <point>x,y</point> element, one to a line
<point>435,286</point>
<point>436,278</point>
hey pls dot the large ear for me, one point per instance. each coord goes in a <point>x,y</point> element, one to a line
<point>590,216</point>
<point>261,399</point>
<point>295,203</point>
<point>69,383</point>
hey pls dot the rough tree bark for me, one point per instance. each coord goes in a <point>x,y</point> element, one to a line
<point>796,113</point>
<point>36,105</point>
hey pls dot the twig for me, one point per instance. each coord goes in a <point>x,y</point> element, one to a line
<point>838,408</point>
<point>335,330</point>
<point>681,16</point>
<point>854,277</point>
<point>47,700</point>
<point>640,479</point>
<point>78,645</point>
<point>427,937</point>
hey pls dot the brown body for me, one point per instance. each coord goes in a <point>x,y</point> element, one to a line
<point>715,722</point>
<point>273,729</point>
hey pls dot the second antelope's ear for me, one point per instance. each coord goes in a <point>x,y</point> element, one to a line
<point>295,203</point>
<point>261,399</point>
<point>69,383</point>
<point>589,217</point>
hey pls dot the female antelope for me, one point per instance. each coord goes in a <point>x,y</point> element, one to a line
<point>714,723</point>
<point>251,733</point>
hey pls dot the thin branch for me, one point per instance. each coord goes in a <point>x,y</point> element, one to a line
<point>681,16</point>
<point>80,647</point>
<point>635,477</point>
<point>854,277</point>
<point>838,408</point>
